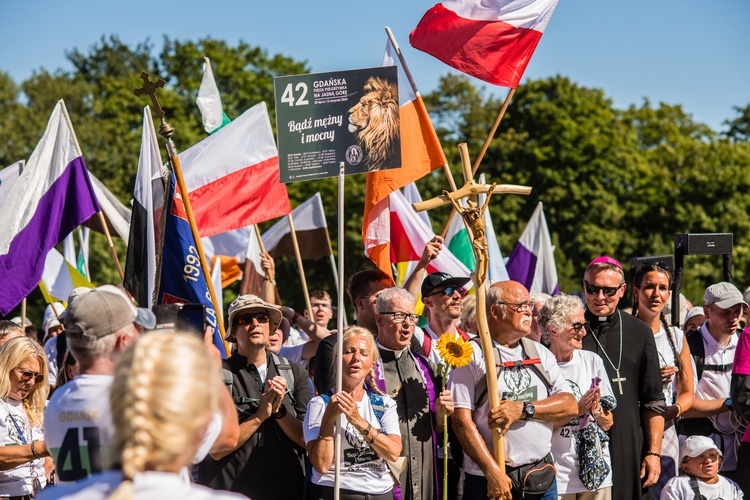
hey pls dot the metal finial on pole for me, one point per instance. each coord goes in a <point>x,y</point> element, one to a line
<point>166,130</point>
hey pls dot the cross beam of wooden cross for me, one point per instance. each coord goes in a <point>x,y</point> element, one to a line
<point>473,216</point>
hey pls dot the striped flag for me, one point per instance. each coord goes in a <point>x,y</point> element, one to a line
<point>492,40</point>
<point>52,197</point>
<point>420,154</point>
<point>243,153</point>
<point>209,101</point>
<point>148,200</point>
<point>60,278</point>
<point>8,177</point>
<point>310,227</point>
<point>496,266</point>
<point>532,262</point>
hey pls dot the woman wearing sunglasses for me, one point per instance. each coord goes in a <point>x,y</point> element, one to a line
<point>562,320</point>
<point>651,292</point>
<point>24,461</point>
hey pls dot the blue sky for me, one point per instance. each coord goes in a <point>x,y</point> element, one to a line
<point>679,52</point>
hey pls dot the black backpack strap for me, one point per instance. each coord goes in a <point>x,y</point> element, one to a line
<point>696,489</point>
<point>697,350</point>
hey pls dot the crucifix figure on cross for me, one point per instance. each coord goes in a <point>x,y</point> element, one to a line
<point>473,217</point>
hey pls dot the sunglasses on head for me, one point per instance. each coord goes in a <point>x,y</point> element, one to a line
<point>450,290</point>
<point>247,319</point>
<point>29,375</point>
<point>608,291</point>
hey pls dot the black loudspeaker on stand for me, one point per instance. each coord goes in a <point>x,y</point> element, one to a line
<point>698,244</point>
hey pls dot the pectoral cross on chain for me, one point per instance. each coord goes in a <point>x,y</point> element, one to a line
<point>619,380</point>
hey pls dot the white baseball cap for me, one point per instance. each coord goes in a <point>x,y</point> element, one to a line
<point>695,445</point>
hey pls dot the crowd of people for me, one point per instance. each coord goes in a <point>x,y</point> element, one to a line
<point>596,401</point>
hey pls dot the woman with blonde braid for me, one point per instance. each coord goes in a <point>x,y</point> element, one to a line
<point>651,292</point>
<point>162,399</point>
<point>370,433</point>
<point>23,389</point>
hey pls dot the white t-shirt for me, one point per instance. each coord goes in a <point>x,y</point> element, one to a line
<point>18,481</point>
<point>526,441</point>
<point>145,485</point>
<point>78,427</point>
<point>579,373</point>
<point>293,353</point>
<point>715,385</point>
<point>666,357</point>
<point>362,470</point>
<point>678,488</point>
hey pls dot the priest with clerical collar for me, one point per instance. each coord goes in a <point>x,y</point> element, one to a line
<point>628,350</point>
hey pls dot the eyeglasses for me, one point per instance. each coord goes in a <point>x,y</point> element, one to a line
<point>29,375</point>
<point>449,291</point>
<point>399,317</point>
<point>577,326</point>
<point>711,455</point>
<point>519,306</point>
<point>247,319</point>
<point>608,291</point>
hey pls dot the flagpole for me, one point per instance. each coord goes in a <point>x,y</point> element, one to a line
<point>271,274</point>
<point>111,245</point>
<point>485,146</point>
<point>340,337</point>
<point>23,314</point>
<point>166,131</point>
<point>446,168</point>
<point>301,268</point>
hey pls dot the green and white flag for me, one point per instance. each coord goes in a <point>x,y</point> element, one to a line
<point>458,242</point>
<point>209,101</point>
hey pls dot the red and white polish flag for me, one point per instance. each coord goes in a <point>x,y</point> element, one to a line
<point>492,40</point>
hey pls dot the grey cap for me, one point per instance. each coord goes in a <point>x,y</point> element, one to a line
<point>724,295</point>
<point>103,311</point>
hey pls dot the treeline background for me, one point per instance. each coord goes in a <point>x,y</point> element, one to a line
<point>613,181</point>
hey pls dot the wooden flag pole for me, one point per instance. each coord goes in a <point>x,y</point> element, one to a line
<point>485,146</point>
<point>111,245</point>
<point>271,274</point>
<point>301,268</point>
<point>166,131</point>
<point>23,314</point>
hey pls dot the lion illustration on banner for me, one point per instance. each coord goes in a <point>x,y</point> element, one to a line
<point>374,121</point>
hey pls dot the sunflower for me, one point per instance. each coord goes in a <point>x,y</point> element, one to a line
<point>454,350</point>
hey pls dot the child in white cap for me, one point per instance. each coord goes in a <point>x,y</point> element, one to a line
<point>700,464</point>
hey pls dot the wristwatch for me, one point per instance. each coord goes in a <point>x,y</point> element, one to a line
<point>366,432</point>
<point>728,403</point>
<point>281,413</point>
<point>528,410</point>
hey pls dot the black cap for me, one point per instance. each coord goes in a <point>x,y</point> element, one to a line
<point>434,280</point>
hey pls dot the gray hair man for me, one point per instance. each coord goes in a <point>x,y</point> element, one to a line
<point>534,394</point>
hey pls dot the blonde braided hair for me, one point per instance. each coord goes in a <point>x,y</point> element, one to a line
<point>161,400</point>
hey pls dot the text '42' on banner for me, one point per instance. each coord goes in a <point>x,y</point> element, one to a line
<point>324,119</point>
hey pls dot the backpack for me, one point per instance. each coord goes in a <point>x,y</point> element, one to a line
<point>530,351</point>
<point>282,367</point>
<point>698,352</point>
<point>701,426</point>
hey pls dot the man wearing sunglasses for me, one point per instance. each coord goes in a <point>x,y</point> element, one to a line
<point>627,347</point>
<point>442,295</point>
<point>268,460</point>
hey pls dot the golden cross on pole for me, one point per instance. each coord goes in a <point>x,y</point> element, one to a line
<point>166,130</point>
<point>473,216</point>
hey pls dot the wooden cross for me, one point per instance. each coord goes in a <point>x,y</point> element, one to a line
<point>473,217</point>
